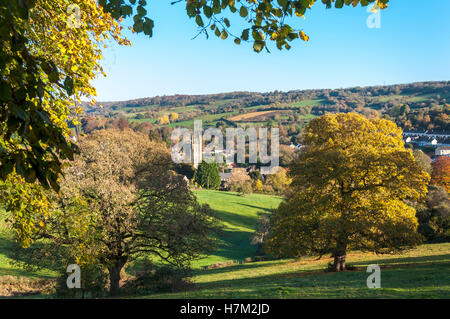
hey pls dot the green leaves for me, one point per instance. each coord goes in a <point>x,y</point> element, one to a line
<point>270,18</point>
<point>339,4</point>
<point>68,85</point>
<point>283,3</point>
<point>19,112</point>
<point>148,26</point>
<point>243,12</point>
<point>138,26</point>
<point>224,35</point>
<point>199,21</point>
<point>207,11</point>
<point>51,70</point>
<point>216,7</point>
<point>245,34</point>
<point>258,46</point>
<point>5,91</point>
<point>141,11</point>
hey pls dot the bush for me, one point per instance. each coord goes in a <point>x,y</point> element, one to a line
<point>244,188</point>
<point>255,175</point>
<point>94,280</point>
<point>162,279</point>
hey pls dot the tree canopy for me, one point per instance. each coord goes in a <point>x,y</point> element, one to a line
<point>441,172</point>
<point>351,189</point>
<point>207,175</point>
<point>46,67</point>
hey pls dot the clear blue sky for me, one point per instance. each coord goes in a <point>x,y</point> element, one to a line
<point>413,44</point>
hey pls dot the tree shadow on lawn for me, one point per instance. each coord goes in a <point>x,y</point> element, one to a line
<point>403,261</point>
<point>235,245</point>
<point>237,267</point>
<point>257,207</point>
<point>237,220</point>
<point>8,248</point>
<point>420,281</point>
<point>396,263</point>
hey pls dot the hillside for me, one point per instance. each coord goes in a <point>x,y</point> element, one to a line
<point>415,106</point>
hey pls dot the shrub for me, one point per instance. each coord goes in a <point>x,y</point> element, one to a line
<point>162,279</point>
<point>94,281</point>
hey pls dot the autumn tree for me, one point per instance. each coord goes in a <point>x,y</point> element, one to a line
<point>279,181</point>
<point>351,189</point>
<point>434,215</point>
<point>163,119</point>
<point>173,116</point>
<point>238,179</point>
<point>136,205</point>
<point>441,172</point>
<point>423,160</point>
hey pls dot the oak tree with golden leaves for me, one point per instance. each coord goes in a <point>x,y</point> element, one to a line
<point>351,190</point>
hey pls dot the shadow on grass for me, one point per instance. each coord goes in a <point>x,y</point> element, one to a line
<point>404,260</point>
<point>235,245</point>
<point>415,282</point>
<point>395,263</point>
<point>9,248</point>
<point>237,267</point>
<point>237,220</point>
<point>256,207</point>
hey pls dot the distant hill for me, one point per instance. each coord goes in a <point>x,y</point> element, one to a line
<point>414,106</point>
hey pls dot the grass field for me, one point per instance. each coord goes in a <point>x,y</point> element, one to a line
<point>423,272</point>
<point>239,215</point>
<point>420,273</point>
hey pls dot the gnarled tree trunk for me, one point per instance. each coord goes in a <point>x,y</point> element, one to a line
<point>114,279</point>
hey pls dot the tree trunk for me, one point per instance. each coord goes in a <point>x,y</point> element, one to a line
<point>259,249</point>
<point>114,280</point>
<point>339,261</point>
<point>339,256</point>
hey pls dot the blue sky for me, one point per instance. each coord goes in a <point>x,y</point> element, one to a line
<point>412,44</point>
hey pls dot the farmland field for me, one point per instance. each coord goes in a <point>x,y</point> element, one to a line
<point>248,116</point>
